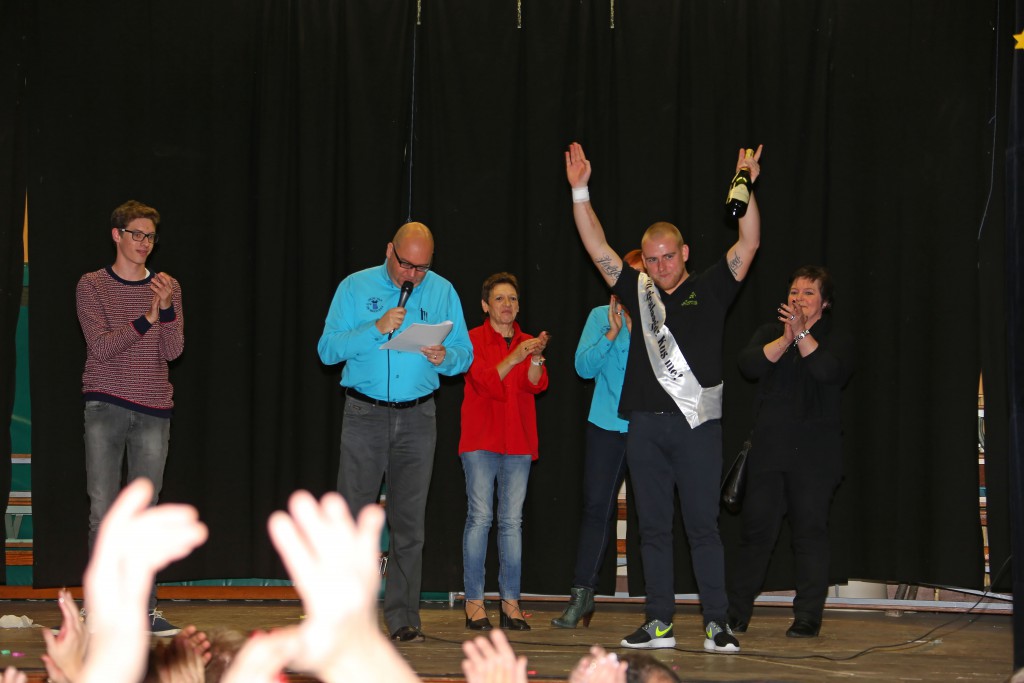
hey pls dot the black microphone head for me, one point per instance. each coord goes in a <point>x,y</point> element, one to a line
<point>406,292</point>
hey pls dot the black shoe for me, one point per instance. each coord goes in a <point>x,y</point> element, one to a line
<point>481,624</point>
<point>737,625</point>
<point>581,608</point>
<point>408,634</point>
<point>510,624</point>
<point>804,628</point>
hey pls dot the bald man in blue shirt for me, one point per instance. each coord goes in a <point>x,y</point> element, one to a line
<point>388,430</point>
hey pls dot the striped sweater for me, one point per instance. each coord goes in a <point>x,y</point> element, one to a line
<point>126,356</point>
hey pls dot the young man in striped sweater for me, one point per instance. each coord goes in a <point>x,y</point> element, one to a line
<point>133,325</point>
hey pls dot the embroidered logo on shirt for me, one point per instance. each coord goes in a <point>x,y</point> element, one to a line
<point>374,305</point>
<point>423,315</point>
<point>690,300</point>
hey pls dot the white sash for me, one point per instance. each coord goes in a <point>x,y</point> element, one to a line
<point>670,367</point>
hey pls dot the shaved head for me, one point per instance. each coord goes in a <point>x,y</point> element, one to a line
<point>661,230</point>
<point>412,245</point>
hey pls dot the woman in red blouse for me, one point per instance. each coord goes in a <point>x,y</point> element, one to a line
<point>498,444</point>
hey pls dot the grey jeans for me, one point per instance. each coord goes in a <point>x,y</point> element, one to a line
<point>111,434</point>
<point>379,442</point>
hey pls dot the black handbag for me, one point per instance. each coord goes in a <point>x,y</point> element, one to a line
<point>736,480</point>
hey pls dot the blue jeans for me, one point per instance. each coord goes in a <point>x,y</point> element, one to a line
<point>111,432</point>
<point>512,472</point>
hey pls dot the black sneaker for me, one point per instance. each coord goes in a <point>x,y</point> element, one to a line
<point>654,635</point>
<point>158,626</point>
<point>718,639</point>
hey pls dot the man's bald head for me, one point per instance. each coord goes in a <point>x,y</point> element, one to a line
<point>412,246</point>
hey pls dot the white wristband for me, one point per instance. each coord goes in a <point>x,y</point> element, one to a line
<point>537,361</point>
<point>580,194</point>
<point>797,338</point>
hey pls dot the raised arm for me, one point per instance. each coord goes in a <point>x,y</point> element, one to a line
<point>577,171</point>
<point>741,254</point>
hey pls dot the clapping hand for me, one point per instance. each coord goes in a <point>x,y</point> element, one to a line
<point>793,320</point>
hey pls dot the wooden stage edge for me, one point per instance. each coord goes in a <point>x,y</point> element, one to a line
<point>855,645</point>
<point>991,604</point>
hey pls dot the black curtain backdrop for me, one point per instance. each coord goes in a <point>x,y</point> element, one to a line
<point>274,137</point>
<point>1014,160</point>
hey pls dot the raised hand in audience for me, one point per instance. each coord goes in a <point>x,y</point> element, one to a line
<point>65,652</point>
<point>492,661</point>
<point>333,563</point>
<point>135,541</point>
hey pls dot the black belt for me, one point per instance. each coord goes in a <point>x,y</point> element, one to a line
<point>387,404</point>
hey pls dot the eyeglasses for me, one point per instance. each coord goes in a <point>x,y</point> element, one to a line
<point>138,235</point>
<point>402,263</point>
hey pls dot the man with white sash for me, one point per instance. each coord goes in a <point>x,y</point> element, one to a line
<point>672,393</point>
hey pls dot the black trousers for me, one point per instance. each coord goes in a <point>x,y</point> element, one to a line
<point>804,498</point>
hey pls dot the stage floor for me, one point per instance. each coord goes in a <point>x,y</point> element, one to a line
<point>913,647</point>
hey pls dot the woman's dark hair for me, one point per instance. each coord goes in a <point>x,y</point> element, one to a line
<point>495,280</point>
<point>820,275</point>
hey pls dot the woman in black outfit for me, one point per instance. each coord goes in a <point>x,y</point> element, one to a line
<point>801,364</point>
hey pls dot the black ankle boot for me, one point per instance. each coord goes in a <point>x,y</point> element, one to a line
<point>804,628</point>
<point>581,606</point>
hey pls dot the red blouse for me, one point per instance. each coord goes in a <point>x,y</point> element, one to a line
<point>499,415</point>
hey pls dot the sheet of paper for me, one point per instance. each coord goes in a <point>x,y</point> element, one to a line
<point>418,335</point>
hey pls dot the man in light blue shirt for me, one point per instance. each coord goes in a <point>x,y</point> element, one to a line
<point>388,430</point>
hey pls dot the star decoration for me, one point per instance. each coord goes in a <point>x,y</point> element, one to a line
<point>1020,40</point>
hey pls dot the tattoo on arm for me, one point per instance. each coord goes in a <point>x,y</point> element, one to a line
<point>606,264</point>
<point>735,263</point>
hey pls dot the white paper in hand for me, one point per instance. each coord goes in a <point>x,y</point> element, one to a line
<point>418,335</point>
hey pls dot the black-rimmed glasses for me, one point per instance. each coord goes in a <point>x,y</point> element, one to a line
<point>402,263</point>
<point>138,235</point>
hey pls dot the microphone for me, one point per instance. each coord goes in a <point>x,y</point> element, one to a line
<point>403,297</point>
<point>406,292</point>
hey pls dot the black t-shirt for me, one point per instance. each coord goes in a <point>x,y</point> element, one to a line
<point>695,314</point>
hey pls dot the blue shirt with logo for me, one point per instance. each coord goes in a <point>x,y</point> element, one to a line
<point>350,335</point>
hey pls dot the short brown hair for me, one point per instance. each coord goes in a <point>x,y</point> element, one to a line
<point>129,211</point>
<point>495,280</point>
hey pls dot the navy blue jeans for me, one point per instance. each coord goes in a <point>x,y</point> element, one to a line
<point>663,454</point>
<point>604,467</point>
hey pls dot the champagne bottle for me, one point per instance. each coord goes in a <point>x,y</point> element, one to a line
<point>739,192</point>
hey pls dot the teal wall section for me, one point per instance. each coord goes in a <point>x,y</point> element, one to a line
<point>18,518</point>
